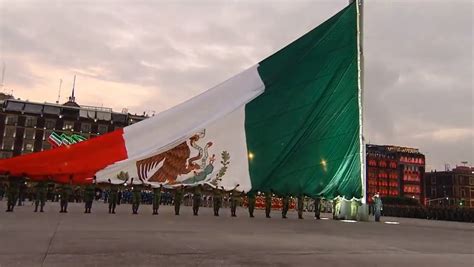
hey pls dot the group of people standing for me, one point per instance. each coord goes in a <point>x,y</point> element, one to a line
<point>218,194</point>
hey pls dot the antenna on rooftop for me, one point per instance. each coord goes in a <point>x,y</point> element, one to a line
<point>447,167</point>
<point>59,91</point>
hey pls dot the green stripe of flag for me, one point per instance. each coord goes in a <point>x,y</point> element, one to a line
<point>303,131</point>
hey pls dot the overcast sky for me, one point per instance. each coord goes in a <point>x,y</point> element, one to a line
<point>150,55</point>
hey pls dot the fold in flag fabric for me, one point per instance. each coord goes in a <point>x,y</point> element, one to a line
<point>289,124</point>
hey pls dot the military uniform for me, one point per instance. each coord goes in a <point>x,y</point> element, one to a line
<point>22,188</point>
<point>13,191</point>
<point>216,200</point>
<point>65,191</point>
<point>2,191</point>
<point>317,208</point>
<point>40,195</point>
<point>251,199</point>
<point>136,198</point>
<point>234,202</point>
<point>268,204</point>
<point>89,193</point>
<point>178,197</point>
<point>113,197</point>
<point>285,207</point>
<point>156,200</point>
<point>197,194</point>
<point>300,206</point>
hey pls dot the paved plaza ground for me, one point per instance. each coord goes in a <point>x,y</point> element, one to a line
<point>123,239</point>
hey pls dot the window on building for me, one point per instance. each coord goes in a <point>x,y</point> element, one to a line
<point>68,125</point>
<point>50,124</point>
<point>28,145</point>
<point>86,127</point>
<point>46,134</point>
<point>433,192</point>
<point>5,155</point>
<point>433,179</point>
<point>463,192</point>
<point>30,122</point>
<point>10,131</point>
<point>29,134</point>
<point>46,145</point>
<point>411,189</point>
<point>471,181</point>
<point>8,143</point>
<point>102,129</point>
<point>11,120</point>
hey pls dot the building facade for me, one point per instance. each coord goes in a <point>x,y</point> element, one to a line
<point>453,188</point>
<point>394,171</point>
<point>25,126</point>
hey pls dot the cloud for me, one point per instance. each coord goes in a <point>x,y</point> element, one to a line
<point>150,55</point>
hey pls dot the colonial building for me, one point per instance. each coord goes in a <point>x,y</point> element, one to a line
<point>395,171</point>
<point>27,127</point>
<point>450,188</point>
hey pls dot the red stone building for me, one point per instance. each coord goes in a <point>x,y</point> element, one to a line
<point>453,188</point>
<point>395,171</point>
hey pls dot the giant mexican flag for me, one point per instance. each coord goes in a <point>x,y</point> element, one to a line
<point>290,124</point>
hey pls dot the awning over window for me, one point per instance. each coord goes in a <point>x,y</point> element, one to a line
<point>33,108</point>
<point>14,106</point>
<point>104,116</point>
<point>51,110</point>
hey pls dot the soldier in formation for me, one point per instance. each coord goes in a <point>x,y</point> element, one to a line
<point>251,203</point>
<point>13,191</point>
<point>197,194</point>
<point>234,201</point>
<point>65,192</point>
<point>268,203</point>
<point>89,193</point>
<point>300,206</point>
<point>156,199</point>
<point>136,197</point>
<point>317,208</point>
<point>217,200</point>
<point>178,197</point>
<point>285,206</point>
<point>40,195</point>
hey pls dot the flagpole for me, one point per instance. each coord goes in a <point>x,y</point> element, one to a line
<point>363,212</point>
<point>360,83</point>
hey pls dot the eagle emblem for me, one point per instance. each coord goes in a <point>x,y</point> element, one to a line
<point>168,166</point>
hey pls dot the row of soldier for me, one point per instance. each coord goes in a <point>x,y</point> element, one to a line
<point>218,195</point>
